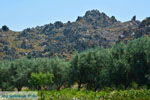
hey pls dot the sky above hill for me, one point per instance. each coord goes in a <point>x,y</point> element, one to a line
<point>21,14</point>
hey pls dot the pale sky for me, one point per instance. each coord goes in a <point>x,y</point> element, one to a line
<point>21,14</point>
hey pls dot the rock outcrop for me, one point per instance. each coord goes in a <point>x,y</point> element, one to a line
<point>62,39</point>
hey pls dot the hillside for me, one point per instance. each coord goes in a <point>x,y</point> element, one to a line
<point>62,39</point>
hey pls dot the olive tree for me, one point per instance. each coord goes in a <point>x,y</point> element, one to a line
<point>138,56</point>
<point>40,80</point>
<point>60,71</point>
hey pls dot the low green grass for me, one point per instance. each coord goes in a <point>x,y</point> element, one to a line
<point>71,94</point>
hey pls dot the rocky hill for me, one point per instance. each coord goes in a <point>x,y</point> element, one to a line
<point>62,39</point>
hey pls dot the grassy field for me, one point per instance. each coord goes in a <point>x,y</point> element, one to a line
<point>70,94</point>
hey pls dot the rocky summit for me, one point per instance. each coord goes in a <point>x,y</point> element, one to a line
<point>94,29</point>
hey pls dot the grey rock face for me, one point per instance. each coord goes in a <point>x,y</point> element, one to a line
<point>94,29</point>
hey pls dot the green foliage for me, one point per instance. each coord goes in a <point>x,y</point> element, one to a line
<point>70,94</point>
<point>138,57</point>
<point>119,67</point>
<point>40,80</point>
<point>86,68</point>
<point>5,28</point>
<point>60,71</point>
<point>20,71</point>
<point>5,79</point>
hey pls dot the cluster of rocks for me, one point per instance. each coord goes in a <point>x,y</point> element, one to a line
<point>62,39</point>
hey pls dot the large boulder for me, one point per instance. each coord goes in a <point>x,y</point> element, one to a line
<point>58,24</point>
<point>145,23</point>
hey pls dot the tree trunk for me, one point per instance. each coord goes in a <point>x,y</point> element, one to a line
<point>19,88</point>
<point>96,87</point>
<point>58,88</point>
<point>79,86</point>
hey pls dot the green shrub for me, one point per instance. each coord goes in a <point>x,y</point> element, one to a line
<point>70,94</point>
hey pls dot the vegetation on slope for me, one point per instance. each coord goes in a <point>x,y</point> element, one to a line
<point>62,39</point>
<point>119,67</point>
